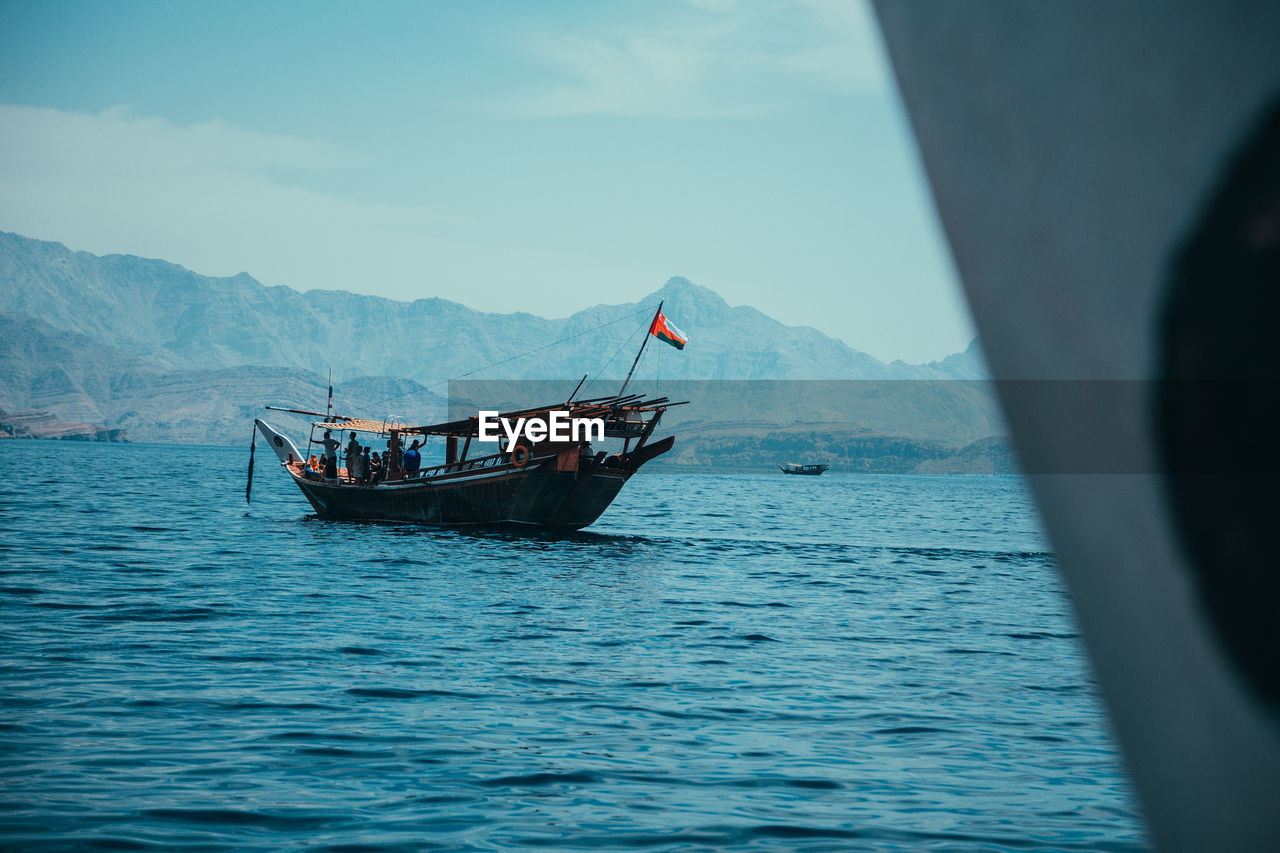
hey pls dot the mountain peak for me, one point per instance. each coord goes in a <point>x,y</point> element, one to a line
<point>177,319</point>
<point>681,287</point>
<point>970,364</point>
<point>689,303</point>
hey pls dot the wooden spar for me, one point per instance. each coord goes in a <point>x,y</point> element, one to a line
<point>648,430</point>
<point>641,455</point>
<point>575,390</point>
<point>606,398</point>
<point>647,334</point>
<point>305,412</point>
<point>581,409</point>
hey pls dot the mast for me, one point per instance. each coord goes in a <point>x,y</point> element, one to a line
<point>647,334</point>
<point>329,409</point>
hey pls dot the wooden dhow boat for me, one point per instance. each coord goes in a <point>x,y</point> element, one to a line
<point>549,482</point>
<point>559,484</point>
<point>797,468</point>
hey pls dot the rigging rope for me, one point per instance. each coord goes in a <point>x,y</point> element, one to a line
<point>538,349</point>
<point>600,372</point>
<point>529,352</point>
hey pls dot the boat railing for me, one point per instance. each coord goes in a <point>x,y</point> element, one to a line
<point>480,463</point>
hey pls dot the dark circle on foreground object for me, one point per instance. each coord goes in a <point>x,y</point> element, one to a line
<point>1217,408</point>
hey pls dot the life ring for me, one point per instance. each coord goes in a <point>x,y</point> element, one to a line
<point>520,456</point>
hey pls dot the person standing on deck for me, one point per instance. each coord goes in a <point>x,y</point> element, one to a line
<point>391,459</point>
<point>353,458</point>
<point>412,459</point>
<point>331,446</point>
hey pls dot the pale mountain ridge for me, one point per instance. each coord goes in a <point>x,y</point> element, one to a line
<point>169,355</point>
<point>970,364</point>
<point>178,319</point>
<point>75,378</point>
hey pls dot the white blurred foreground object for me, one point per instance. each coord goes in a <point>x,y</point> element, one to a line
<point>1108,175</point>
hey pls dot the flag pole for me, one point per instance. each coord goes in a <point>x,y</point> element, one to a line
<point>648,333</point>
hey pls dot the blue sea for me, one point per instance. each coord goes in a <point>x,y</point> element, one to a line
<point>753,661</point>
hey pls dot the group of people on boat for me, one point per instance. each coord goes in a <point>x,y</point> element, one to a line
<point>363,464</point>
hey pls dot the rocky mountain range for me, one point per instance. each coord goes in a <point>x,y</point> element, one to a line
<point>118,342</point>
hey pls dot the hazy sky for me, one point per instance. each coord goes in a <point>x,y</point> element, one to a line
<point>539,157</point>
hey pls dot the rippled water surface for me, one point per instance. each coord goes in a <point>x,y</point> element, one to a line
<point>756,661</point>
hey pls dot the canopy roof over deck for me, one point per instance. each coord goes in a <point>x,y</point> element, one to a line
<point>364,425</point>
<point>611,409</point>
<point>608,408</point>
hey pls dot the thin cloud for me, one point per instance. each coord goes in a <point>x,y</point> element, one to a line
<point>49,137</point>
<point>201,195</point>
<point>850,54</point>
<point>708,59</point>
<point>642,76</point>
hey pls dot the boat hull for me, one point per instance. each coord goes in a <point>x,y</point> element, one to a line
<point>541,496</point>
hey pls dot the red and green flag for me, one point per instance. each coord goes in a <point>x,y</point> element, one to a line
<point>664,330</point>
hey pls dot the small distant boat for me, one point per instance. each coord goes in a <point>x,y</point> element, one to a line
<point>794,468</point>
